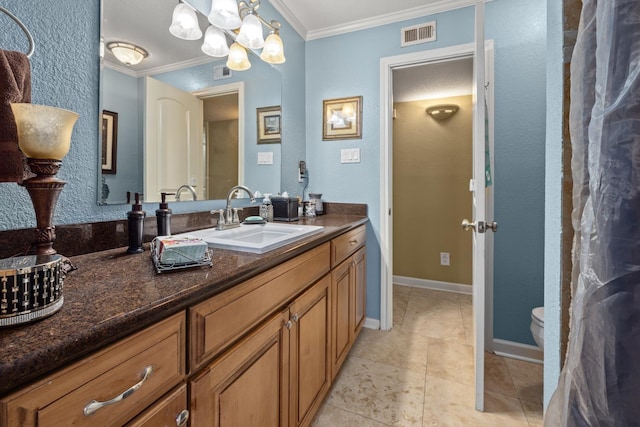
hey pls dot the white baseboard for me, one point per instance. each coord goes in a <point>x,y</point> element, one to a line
<point>433,284</point>
<point>515,350</point>
<point>371,323</point>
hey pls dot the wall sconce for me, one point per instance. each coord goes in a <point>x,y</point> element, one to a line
<point>443,111</point>
<point>44,136</point>
<point>240,22</point>
<point>128,53</point>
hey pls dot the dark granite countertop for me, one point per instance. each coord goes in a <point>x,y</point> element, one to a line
<point>112,295</point>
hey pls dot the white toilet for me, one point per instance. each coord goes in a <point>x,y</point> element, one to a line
<point>537,326</point>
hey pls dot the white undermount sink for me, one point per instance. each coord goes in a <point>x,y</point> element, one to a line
<point>255,238</point>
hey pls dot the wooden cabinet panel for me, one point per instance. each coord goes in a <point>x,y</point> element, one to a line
<point>340,312</point>
<point>343,246</point>
<point>309,356</point>
<point>359,291</point>
<point>248,384</point>
<point>221,320</point>
<point>63,398</point>
<point>170,411</point>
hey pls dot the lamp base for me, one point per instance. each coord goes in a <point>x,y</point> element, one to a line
<point>44,190</point>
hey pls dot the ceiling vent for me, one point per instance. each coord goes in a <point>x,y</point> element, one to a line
<point>416,34</point>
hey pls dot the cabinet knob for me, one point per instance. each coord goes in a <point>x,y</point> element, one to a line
<point>94,405</point>
<point>182,418</point>
<point>295,317</point>
<point>289,325</point>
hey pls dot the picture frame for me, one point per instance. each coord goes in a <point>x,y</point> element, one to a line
<point>109,141</point>
<point>269,124</point>
<point>342,118</point>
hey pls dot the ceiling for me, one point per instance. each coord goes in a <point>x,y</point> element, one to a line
<point>310,18</point>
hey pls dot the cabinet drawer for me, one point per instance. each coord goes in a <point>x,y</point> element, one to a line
<point>171,410</point>
<point>115,375</point>
<point>221,320</point>
<point>345,245</point>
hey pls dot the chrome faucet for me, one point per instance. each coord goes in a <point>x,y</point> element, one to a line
<point>228,218</point>
<point>186,187</point>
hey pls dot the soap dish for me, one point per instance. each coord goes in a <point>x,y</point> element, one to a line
<point>254,220</point>
<point>179,260</point>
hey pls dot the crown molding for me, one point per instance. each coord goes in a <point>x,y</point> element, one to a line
<point>289,17</point>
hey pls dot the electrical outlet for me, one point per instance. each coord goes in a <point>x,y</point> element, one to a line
<point>302,170</point>
<point>444,258</point>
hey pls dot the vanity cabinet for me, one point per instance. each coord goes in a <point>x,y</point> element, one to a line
<point>108,388</point>
<point>348,290</point>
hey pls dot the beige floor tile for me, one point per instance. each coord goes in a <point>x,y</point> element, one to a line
<point>330,416</point>
<point>497,378</point>
<point>448,403</point>
<point>430,293</point>
<point>378,391</point>
<point>450,361</point>
<point>400,290</point>
<point>527,378</point>
<point>466,300</point>
<point>534,413</point>
<point>395,347</point>
<point>434,319</point>
<point>400,302</point>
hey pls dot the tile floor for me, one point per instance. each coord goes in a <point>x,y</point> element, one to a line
<point>421,372</point>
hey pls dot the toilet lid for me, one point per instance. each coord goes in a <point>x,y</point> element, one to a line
<point>537,314</point>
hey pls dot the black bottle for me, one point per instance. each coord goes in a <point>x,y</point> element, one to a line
<point>136,226</point>
<point>163,216</point>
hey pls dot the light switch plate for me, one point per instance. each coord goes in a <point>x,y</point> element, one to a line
<point>350,155</point>
<point>265,158</point>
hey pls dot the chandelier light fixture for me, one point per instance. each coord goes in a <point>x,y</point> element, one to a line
<point>127,53</point>
<point>238,22</point>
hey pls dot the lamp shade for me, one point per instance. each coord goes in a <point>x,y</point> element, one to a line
<point>44,132</point>
<point>224,14</point>
<point>127,53</point>
<point>250,35</point>
<point>238,60</point>
<point>273,51</point>
<point>215,42</point>
<point>184,24</point>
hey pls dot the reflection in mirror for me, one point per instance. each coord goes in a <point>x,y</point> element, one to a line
<point>182,120</point>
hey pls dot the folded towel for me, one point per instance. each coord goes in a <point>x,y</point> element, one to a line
<point>15,86</point>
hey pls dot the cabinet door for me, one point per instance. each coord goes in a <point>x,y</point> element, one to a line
<point>249,384</point>
<point>170,411</point>
<point>359,273</point>
<point>310,376</point>
<point>340,313</point>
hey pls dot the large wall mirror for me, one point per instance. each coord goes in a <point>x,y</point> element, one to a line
<point>180,118</point>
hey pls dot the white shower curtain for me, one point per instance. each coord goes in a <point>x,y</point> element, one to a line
<point>600,381</point>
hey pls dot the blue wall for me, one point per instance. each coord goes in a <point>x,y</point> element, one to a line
<point>348,65</point>
<point>333,67</point>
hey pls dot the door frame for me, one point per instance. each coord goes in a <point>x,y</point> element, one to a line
<point>237,87</point>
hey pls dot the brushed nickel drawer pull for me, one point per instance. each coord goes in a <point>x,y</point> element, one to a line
<point>353,242</point>
<point>94,405</point>
<point>182,418</point>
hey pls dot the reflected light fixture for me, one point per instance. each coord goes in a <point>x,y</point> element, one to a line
<point>127,53</point>
<point>442,111</point>
<point>240,24</point>
<point>184,23</point>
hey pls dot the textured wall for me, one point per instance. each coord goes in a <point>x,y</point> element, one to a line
<point>431,171</point>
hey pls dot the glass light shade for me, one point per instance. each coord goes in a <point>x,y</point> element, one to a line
<point>250,35</point>
<point>273,51</point>
<point>224,14</point>
<point>127,53</point>
<point>44,132</point>
<point>184,24</point>
<point>238,60</point>
<point>215,42</point>
<point>441,112</point>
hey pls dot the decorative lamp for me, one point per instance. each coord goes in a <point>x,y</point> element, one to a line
<point>215,42</point>
<point>443,111</point>
<point>250,35</point>
<point>127,53</point>
<point>44,136</point>
<point>184,24</point>
<point>224,14</point>
<point>273,51</point>
<point>238,60</point>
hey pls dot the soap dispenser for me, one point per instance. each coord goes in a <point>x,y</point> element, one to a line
<point>136,226</point>
<point>266,209</point>
<point>163,216</point>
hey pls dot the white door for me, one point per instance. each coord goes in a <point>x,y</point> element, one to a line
<point>172,141</point>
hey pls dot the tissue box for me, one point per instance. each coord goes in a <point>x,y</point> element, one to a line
<point>180,250</point>
<point>285,208</point>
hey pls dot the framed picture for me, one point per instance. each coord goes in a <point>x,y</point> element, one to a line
<point>109,141</point>
<point>269,125</point>
<point>342,118</point>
